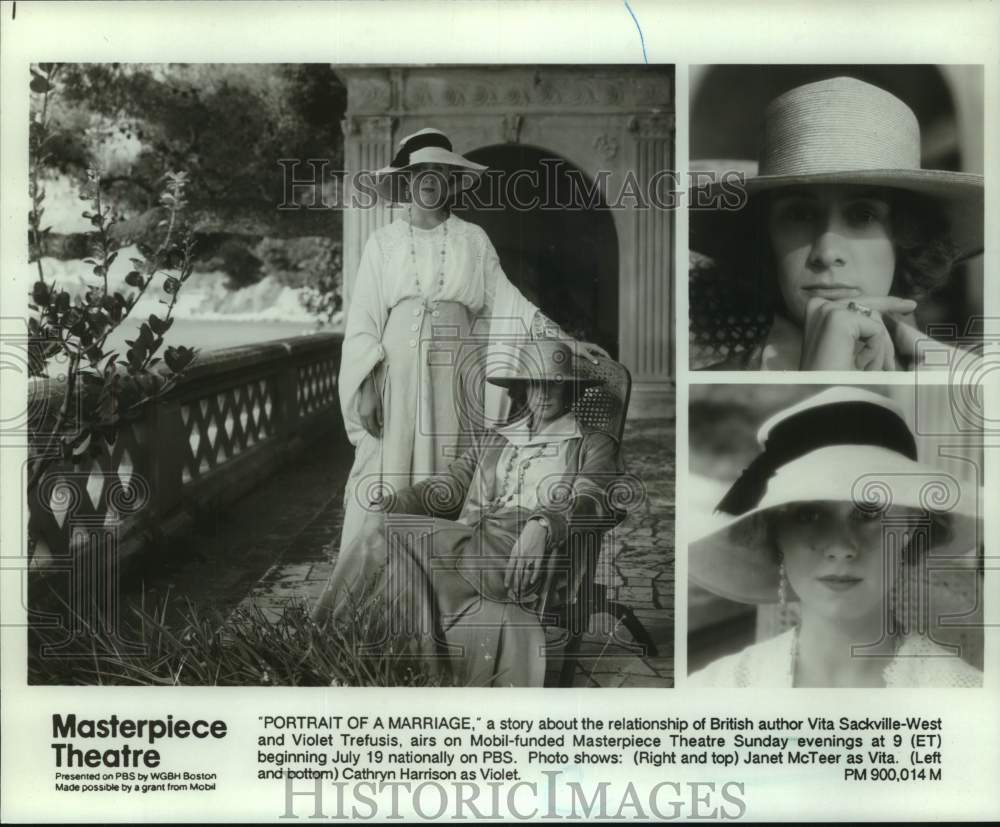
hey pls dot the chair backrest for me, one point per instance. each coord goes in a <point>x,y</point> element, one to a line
<point>725,322</point>
<point>604,407</point>
<point>601,408</point>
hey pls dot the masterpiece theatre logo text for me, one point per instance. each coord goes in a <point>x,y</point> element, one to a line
<point>69,731</point>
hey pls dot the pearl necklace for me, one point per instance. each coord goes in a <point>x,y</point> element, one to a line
<point>429,302</point>
<point>503,499</point>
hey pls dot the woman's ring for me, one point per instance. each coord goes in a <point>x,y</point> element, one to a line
<point>864,310</point>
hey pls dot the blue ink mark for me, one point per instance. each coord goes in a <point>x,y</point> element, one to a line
<point>642,40</point>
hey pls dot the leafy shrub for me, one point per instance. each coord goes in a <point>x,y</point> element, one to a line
<point>101,386</point>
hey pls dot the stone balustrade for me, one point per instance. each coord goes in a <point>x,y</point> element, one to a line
<point>236,416</point>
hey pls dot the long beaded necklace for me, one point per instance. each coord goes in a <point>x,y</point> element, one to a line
<point>505,497</point>
<point>429,302</point>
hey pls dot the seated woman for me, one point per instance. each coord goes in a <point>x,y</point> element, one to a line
<point>460,565</point>
<point>837,514</point>
<point>841,237</point>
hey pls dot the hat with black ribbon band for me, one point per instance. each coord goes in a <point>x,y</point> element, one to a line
<point>841,423</point>
<point>421,140</point>
<point>428,146</point>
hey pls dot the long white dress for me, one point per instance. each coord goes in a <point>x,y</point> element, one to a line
<point>428,347</point>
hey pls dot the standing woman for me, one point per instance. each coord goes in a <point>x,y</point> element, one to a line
<point>430,299</point>
<point>837,514</point>
<point>842,236</point>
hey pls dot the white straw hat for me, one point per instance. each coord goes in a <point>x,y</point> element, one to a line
<point>845,131</point>
<point>842,445</point>
<point>428,146</point>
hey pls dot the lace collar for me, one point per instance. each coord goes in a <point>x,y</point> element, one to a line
<point>559,430</point>
<point>917,662</point>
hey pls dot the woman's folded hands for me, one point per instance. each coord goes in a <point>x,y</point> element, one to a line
<point>525,562</point>
<point>852,334</point>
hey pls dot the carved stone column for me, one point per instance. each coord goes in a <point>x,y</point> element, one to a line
<point>367,147</point>
<point>646,318</point>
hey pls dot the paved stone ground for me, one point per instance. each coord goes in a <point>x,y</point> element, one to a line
<point>278,545</point>
<point>637,559</point>
<point>224,559</point>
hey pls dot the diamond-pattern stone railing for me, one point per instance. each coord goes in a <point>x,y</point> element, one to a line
<point>235,418</point>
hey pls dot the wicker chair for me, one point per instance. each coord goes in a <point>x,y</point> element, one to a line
<point>601,408</point>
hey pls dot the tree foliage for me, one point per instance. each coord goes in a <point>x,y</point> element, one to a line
<point>226,125</point>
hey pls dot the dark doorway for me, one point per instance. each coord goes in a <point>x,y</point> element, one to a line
<point>560,252</point>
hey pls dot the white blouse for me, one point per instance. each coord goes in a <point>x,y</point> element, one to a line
<point>471,267</point>
<point>531,466</point>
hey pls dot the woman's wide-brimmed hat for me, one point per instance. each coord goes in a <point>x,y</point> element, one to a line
<point>428,146</point>
<point>538,361</point>
<point>839,131</point>
<point>841,445</point>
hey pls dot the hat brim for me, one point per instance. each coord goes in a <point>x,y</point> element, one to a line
<point>511,381</point>
<point>386,179</point>
<point>730,556</point>
<point>960,195</point>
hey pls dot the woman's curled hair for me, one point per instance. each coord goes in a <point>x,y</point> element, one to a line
<point>925,249</point>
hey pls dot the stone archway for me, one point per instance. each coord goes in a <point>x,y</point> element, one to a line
<point>563,258</point>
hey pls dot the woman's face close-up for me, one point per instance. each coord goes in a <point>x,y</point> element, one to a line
<point>830,242</point>
<point>430,185</point>
<point>547,400</point>
<point>834,557</point>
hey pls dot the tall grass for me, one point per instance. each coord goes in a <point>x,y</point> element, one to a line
<point>175,643</point>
